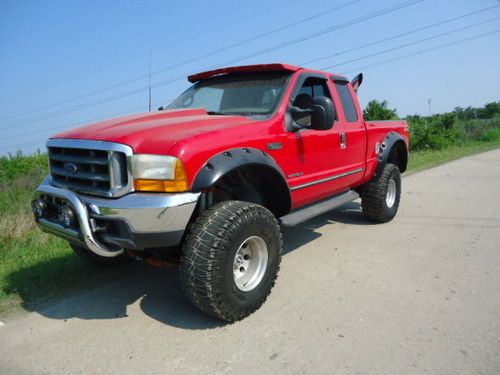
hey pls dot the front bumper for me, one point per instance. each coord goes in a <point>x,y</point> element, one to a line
<point>108,226</point>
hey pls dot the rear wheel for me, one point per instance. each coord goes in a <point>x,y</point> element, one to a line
<point>230,259</point>
<point>380,197</point>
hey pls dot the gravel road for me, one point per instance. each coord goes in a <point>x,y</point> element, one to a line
<point>418,295</point>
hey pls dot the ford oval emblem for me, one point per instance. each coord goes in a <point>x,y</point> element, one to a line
<point>70,167</point>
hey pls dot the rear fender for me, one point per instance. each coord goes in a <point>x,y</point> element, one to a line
<point>392,150</point>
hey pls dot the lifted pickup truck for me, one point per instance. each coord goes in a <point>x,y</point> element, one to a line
<point>211,178</point>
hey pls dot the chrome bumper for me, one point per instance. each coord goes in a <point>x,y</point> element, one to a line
<point>144,220</point>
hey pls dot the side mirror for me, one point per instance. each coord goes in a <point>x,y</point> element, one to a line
<point>301,118</point>
<point>317,113</point>
<point>301,112</point>
<point>323,113</point>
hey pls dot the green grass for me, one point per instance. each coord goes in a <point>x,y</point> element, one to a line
<point>420,160</point>
<point>36,267</point>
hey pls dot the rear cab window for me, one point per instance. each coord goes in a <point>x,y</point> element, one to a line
<point>351,114</point>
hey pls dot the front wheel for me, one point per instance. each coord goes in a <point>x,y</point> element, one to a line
<point>380,197</point>
<point>231,259</point>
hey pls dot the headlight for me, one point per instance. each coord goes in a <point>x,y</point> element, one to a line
<point>159,173</point>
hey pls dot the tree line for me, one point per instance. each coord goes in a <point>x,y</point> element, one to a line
<point>462,125</point>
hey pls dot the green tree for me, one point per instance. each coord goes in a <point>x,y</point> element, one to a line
<point>376,110</point>
<point>488,111</point>
<point>491,109</point>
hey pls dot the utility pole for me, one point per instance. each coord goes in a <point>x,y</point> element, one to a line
<point>429,101</point>
<point>149,85</point>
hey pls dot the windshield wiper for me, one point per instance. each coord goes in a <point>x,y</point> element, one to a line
<point>254,113</point>
<point>219,113</point>
<point>237,113</point>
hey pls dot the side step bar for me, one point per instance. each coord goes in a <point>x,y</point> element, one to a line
<point>308,212</point>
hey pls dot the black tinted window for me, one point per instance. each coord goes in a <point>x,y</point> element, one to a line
<point>315,87</point>
<point>306,90</point>
<point>347,101</point>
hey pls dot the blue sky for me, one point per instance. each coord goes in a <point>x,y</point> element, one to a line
<point>65,63</point>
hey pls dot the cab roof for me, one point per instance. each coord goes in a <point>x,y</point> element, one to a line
<point>243,69</point>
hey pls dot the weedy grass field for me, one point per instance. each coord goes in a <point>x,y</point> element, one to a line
<point>36,267</point>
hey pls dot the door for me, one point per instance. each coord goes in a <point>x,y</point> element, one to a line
<point>318,165</point>
<point>352,131</point>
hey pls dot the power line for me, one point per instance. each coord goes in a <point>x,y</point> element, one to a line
<point>424,51</point>
<point>343,63</point>
<point>69,126</point>
<point>149,83</point>
<point>93,103</point>
<point>385,51</point>
<point>178,64</point>
<point>330,29</point>
<point>350,71</point>
<point>187,39</point>
<point>384,11</point>
<point>262,35</point>
<point>409,44</point>
<point>400,35</point>
<point>89,121</point>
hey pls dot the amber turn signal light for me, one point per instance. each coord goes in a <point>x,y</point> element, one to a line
<point>178,184</point>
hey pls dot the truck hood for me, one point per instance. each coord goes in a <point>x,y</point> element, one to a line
<point>155,132</point>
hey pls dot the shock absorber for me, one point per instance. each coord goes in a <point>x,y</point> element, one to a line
<point>207,199</point>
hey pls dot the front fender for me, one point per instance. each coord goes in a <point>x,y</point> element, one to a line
<point>221,164</point>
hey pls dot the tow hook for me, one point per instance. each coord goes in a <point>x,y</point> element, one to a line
<point>152,261</point>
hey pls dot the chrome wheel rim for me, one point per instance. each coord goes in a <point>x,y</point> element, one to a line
<point>250,263</point>
<point>390,198</point>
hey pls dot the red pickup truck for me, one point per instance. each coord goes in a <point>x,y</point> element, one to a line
<point>210,179</point>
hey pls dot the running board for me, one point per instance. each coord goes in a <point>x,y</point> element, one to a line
<point>308,212</point>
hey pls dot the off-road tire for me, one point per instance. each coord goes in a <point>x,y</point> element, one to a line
<point>374,195</point>
<point>90,257</point>
<point>209,253</point>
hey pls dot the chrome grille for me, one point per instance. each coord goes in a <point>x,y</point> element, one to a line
<point>92,167</point>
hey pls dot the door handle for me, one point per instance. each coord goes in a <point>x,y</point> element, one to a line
<point>343,141</point>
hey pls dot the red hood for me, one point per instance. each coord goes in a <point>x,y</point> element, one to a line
<point>155,131</point>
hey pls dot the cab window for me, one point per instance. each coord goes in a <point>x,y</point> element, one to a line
<point>315,87</point>
<point>347,102</point>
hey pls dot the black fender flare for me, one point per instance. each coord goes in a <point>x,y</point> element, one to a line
<point>221,164</point>
<point>385,149</point>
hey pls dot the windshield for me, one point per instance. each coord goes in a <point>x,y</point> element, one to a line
<point>238,94</point>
